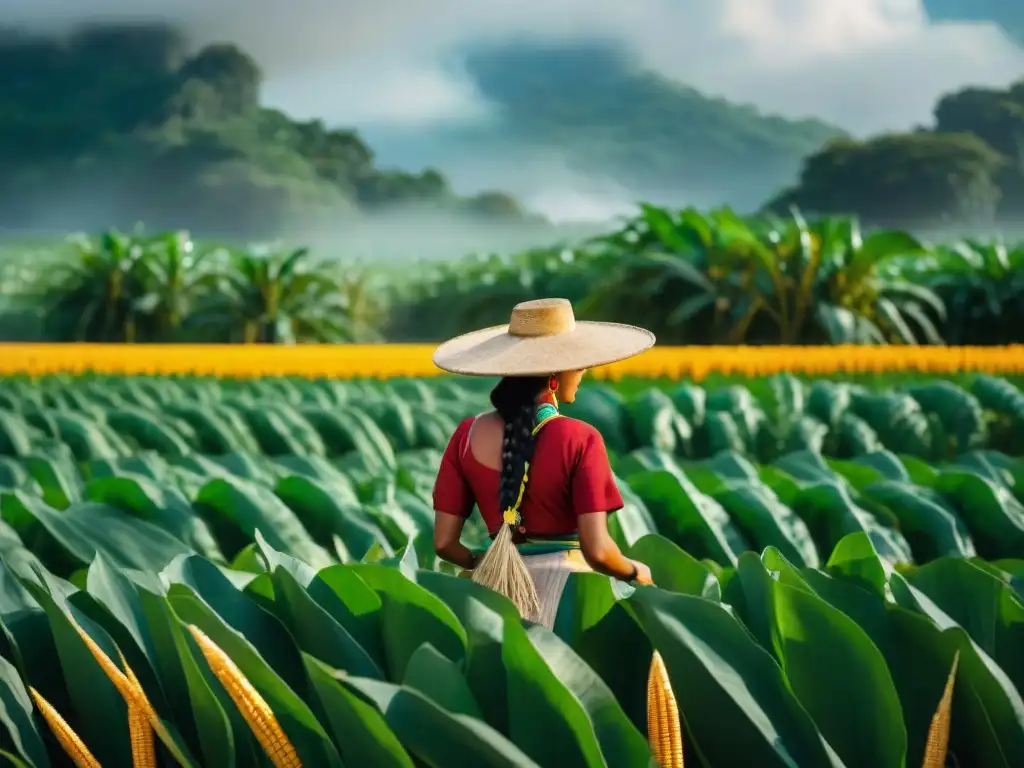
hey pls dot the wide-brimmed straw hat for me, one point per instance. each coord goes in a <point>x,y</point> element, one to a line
<point>542,337</point>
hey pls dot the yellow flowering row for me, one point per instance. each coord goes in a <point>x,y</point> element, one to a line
<point>391,360</point>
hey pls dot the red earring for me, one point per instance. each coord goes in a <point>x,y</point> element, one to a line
<point>553,384</point>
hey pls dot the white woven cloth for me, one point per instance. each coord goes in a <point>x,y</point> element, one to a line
<point>550,573</point>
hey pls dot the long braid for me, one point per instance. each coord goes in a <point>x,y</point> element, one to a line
<point>514,398</point>
<point>502,568</point>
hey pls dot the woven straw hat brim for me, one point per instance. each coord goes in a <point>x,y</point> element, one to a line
<point>495,352</point>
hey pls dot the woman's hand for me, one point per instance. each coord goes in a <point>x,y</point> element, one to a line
<point>643,573</point>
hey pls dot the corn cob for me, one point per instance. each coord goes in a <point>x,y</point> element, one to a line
<point>67,738</point>
<point>132,694</point>
<point>155,723</point>
<point>251,705</point>
<point>131,691</point>
<point>664,731</point>
<point>141,734</point>
<point>143,750</point>
<point>937,746</point>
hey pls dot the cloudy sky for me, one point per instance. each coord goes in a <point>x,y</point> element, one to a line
<point>867,65</point>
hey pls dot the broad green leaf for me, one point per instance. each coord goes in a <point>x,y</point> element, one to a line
<point>437,737</point>
<point>159,504</point>
<point>97,709</point>
<point>321,509</point>
<point>855,558</point>
<point>16,718</point>
<point>833,668</point>
<point>410,615</point>
<point>87,528</point>
<point>688,517</point>
<point>983,605</point>
<point>994,517</point>
<point>732,696</point>
<point>440,680</point>
<point>595,622</point>
<point>483,614</point>
<point>311,741</point>
<point>673,569</point>
<point>198,576</point>
<point>361,733</point>
<point>620,741</point>
<point>249,508</point>
<point>989,727</point>
<point>766,521</point>
<point>316,632</point>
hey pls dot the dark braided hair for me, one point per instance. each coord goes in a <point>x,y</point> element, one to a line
<point>515,400</point>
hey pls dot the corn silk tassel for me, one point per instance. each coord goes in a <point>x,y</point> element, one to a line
<point>502,568</point>
<point>253,708</point>
<point>937,746</point>
<point>69,741</point>
<point>143,719</point>
<point>664,731</point>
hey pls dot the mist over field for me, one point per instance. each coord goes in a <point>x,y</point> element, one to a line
<point>577,110</point>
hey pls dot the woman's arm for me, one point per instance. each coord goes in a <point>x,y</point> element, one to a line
<point>447,540</point>
<point>603,554</point>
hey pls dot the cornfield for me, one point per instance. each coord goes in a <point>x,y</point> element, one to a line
<point>240,571</point>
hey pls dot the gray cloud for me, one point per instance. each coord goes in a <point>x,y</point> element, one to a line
<point>866,64</point>
<point>386,66</point>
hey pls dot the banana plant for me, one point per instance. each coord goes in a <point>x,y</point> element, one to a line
<point>734,280</point>
<point>95,294</point>
<point>982,283</point>
<point>275,297</point>
<point>173,274</point>
<point>660,270</point>
<point>479,289</point>
<point>829,285</point>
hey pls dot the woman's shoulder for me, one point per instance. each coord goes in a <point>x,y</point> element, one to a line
<point>463,427</point>
<point>573,429</point>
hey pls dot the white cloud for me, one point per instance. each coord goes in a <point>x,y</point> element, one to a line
<point>377,90</point>
<point>866,64</point>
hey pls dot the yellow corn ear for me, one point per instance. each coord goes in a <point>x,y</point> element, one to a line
<point>141,723</point>
<point>664,731</point>
<point>131,690</point>
<point>143,744</point>
<point>67,738</point>
<point>937,746</point>
<point>124,686</point>
<point>251,705</point>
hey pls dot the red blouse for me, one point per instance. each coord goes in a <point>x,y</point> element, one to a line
<point>569,476</point>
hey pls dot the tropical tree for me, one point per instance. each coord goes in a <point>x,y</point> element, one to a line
<point>919,179</point>
<point>982,285</point>
<point>829,284</point>
<point>174,278</point>
<point>275,297</point>
<point>96,294</point>
<point>718,278</point>
<point>479,290</point>
<point>658,273</point>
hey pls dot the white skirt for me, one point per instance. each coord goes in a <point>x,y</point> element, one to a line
<point>550,572</point>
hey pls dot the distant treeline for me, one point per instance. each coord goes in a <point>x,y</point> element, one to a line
<point>693,278</point>
<point>966,170</point>
<point>112,125</point>
<point>126,123</point>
